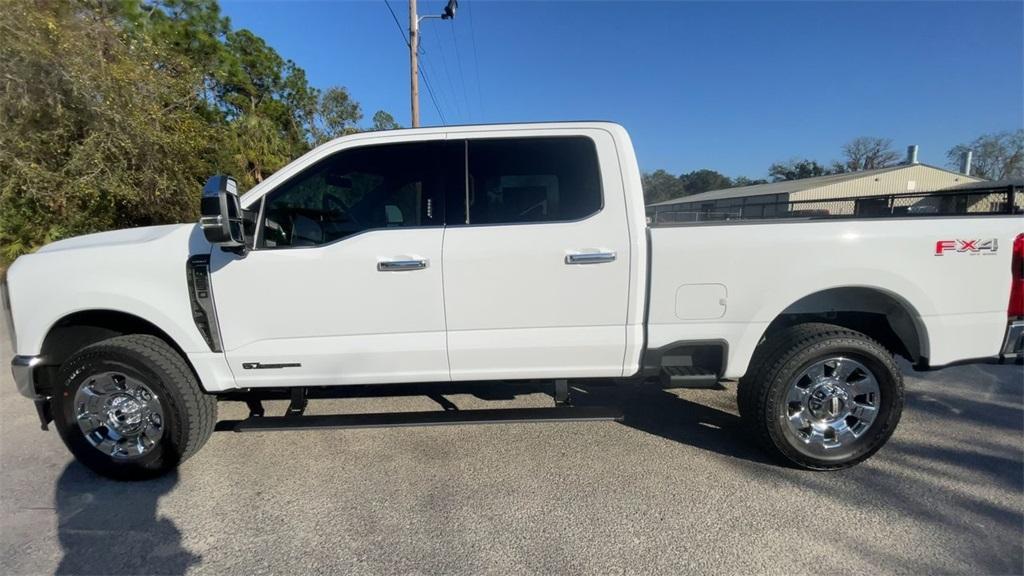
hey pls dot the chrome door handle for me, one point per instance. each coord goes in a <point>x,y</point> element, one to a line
<point>590,258</point>
<point>400,265</point>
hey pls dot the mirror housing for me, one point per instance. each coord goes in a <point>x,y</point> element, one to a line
<point>220,214</point>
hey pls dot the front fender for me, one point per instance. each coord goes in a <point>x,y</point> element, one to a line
<point>145,279</point>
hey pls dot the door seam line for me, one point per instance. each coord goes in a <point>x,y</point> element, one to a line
<point>444,303</point>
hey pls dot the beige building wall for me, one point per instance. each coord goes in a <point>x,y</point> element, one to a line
<point>994,201</point>
<point>908,179</point>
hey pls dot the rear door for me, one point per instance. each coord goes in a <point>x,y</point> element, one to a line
<point>536,258</point>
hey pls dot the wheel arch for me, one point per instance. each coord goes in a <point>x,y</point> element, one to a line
<point>879,313</point>
<point>79,329</point>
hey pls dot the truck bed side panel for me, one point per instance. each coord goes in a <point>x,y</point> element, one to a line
<point>728,282</point>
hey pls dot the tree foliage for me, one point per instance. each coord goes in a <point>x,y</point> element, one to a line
<point>384,121</point>
<point>998,156</point>
<point>115,112</point>
<point>703,180</point>
<point>660,186</point>
<point>338,115</point>
<point>744,181</point>
<point>861,153</point>
<point>95,135</point>
<point>796,169</point>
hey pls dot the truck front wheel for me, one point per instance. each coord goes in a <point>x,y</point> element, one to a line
<point>131,408</point>
<point>821,397</point>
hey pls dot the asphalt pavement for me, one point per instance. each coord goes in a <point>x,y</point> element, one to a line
<point>676,488</point>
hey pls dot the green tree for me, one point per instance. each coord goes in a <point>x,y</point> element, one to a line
<point>796,169</point>
<point>302,104</point>
<point>257,147</point>
<point>660,186</point>
<point>192,29</point>
<point>838,167</point>
<point>97,134</point>
<point>384,121</point>
<point>744,181</point>
<point>255,80</point>
<point>997,156</point>
<point>337,115</point>
<point>704,180</point>
<point>252,75</point>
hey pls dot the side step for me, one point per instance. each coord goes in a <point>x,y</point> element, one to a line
<point>433,418</point>
<point>687,377</point>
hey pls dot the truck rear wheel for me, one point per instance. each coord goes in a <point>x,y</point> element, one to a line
<point>130,407</point>
<point>821,397</point>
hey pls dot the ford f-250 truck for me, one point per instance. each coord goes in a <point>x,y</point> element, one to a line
<point>485,253</point>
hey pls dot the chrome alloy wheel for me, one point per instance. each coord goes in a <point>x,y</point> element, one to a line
<point>119,415</point>
<point>830,405</point>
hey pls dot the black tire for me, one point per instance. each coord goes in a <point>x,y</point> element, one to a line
<point>782,358</point>
<point>188,418</point>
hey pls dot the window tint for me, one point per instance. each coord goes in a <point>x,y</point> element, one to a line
<point>354,190</point>
<point>522,180</point>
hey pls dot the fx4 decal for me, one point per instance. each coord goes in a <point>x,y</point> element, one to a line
<point>987,247</point>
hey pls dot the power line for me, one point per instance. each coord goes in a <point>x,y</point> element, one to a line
<point>444,61</point>
<point>430,91</point>
<point>476,60</point>
<point>430,65</point>
<point>397,23</point>
<point>458,57</point>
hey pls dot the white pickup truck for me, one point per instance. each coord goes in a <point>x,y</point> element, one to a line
<point>507,252</point>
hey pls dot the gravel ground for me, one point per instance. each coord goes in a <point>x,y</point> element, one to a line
<point>676,488</point>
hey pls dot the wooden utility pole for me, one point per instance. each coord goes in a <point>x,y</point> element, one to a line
<point>414,59</point>
<point>414,46</point>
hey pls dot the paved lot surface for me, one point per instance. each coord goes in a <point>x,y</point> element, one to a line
<point>675,489</point>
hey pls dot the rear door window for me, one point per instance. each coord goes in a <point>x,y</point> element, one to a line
<point>528,180</point>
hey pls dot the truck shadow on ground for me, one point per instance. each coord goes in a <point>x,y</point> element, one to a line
<point>955,466</point>
<point>931,474</point>
<point>109,527</point>
<point>643,405</point>
<point>647,407</point>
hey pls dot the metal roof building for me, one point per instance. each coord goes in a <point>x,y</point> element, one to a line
<point>811,195</point>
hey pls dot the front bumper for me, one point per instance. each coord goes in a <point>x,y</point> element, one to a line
<point>24,369</point>
<point>1013,344</point>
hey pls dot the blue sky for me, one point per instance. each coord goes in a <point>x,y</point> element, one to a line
<point>732,86</point>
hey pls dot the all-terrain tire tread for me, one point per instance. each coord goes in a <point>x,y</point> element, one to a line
<point>775,353</point>
<point>198,410</point>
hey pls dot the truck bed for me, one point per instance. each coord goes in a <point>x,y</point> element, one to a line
<point>726,282</point>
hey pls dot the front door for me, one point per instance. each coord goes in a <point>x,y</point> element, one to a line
<point>344,284</point>
<point>537,259</point>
